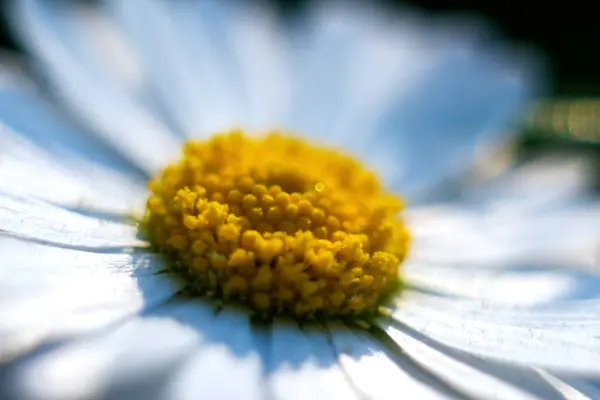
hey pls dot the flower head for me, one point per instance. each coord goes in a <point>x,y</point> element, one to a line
<point>277,222</point>
<point>498,297</point>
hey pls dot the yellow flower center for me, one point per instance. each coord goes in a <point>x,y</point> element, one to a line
<point>279,224</point>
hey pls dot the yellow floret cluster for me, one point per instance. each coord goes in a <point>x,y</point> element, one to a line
<point>284,226</point>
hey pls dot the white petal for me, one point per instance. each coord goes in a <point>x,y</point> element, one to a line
<point>374,373</point>
<point>468,103</point>
<point>182,350</point>
<point>303,365</point>
<point>39,146</point>
<point>23,258</point>
<point>477,331</point>
<point>573,388</point>
<point>349,61</point>
<point>179,61</point>
<point>456,234</point>
<point>104,48</point>
<point>52,36</point>
<point>49,293</point>
<point>470,375</point>
<point>399,90</point>
<point>227,365</point>
<point>538,184</point>
<point>260,50</point>
<point>216,65</point>
<point>142,350</point>
<point>510,284</point>
<point>26,169</point>
<point>569,317</point>
<point>353,62</point>
<point>32,219</point>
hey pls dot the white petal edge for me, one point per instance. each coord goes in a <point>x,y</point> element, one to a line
<point>568,351</point>
<point>470,375</point>
<point>92,368</point>
<point>374,373</point>
<point>23,259</point>
<point>334,45</point>
<point>181,59</point>
<point>101,104</point>
<point>228,360</point>
<point>569,317</point>
<point>303,365</point>
<point>49,294</point>
<point>573,388</point>
<point>35,220</point>
<point>175,352</point>
<point>504,284</point>
<point>38,146</point>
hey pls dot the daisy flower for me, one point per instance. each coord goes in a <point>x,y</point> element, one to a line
<point>198,200</point>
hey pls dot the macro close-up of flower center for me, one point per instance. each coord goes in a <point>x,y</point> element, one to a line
<point>235,200</point>
<point>280,224</point>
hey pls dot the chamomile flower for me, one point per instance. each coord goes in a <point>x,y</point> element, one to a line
<point>198,200</point>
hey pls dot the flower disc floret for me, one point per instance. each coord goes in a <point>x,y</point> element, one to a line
<point>279,224</point>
